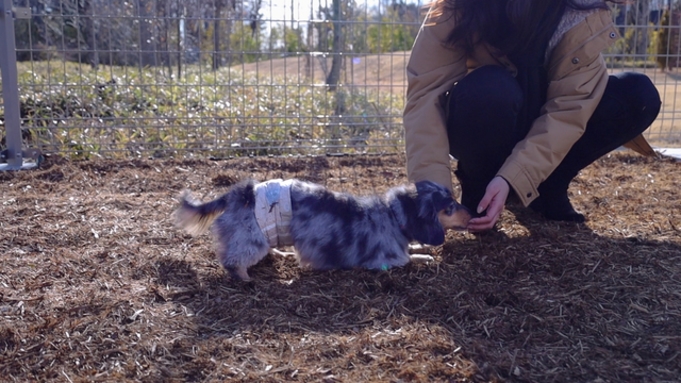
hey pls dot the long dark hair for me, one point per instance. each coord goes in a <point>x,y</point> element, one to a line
<point>511,26</point>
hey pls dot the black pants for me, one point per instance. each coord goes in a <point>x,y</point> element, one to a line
<point>482,127</point>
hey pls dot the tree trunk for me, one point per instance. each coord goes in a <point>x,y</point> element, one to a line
<point>309,64</point>
<point>639,16</point>
<point>216,36</point>
<point>231,10</point>
<point>643,21</point>
<point>181,31</point>
<point>147,40</point>
<point>90,33</point>
<point>336,60</point>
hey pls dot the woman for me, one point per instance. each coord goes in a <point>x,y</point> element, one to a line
<point>518,92</point>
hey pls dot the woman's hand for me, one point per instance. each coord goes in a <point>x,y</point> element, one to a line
<point>493,201</point>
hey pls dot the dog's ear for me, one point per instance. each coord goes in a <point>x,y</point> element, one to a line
<point>430,233</point>
<point>431,199</point>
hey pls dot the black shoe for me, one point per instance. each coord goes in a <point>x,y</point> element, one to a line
<point>557,209</point>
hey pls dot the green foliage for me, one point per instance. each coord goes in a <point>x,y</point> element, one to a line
<point>396,30</point>
<point>388,37</point>
<point>286,39</point>
<point>243,45</point>
<point>113,111</point>
<point>624,50</point>
<point>246,42</point>
<point>293,40</point>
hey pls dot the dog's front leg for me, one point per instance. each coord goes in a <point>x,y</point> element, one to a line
<point>421,258</point>
<point>415,248</point>
<point>417,253</point>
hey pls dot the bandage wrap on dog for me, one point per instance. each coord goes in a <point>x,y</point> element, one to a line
<point>273,211</point>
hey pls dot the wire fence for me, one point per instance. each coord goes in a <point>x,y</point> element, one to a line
<point>245,77</point>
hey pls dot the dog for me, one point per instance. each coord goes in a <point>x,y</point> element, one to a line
<point>328,229</point>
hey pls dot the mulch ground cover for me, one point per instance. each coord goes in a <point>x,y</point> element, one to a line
<point>97,285</point>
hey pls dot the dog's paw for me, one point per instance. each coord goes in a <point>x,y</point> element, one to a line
<point>421,258</point>
<point>238,272</point>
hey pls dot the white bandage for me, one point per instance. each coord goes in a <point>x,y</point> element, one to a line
<point>273,211</point>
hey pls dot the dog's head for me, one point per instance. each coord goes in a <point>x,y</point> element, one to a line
<point>437,211</point>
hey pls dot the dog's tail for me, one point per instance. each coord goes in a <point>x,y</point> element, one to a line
<point>196,218</point>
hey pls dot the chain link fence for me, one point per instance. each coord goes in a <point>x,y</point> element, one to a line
<point>157,78</point>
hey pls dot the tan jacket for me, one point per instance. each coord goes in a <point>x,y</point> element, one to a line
<point>577,79</point>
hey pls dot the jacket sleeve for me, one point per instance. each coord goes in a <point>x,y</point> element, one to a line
<point>575,90</point>
<point>433,68</point>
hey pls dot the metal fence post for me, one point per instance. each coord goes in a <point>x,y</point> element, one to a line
<point>10,90</point>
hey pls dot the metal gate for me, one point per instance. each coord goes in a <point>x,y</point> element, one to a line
<point>156,78</point>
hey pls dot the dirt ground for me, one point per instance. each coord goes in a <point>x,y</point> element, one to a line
<point>97,285</point>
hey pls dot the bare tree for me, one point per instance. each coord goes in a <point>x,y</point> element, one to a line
<point>217,57</point>
<point>142,32</point>
<point>640,17</point>
<point>254,16</point>
<point>225,10</point>
<point>338,44</point>
<point>148,43</point>
<point>181,32</point>
<point>90,29</point>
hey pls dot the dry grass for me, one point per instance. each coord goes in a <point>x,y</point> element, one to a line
<point>97,285</point>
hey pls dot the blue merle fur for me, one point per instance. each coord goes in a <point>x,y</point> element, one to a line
<point>332,230</point>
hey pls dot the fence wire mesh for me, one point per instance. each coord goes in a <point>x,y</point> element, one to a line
<point>255,77</point>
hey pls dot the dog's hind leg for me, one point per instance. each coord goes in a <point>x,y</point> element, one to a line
<point>280,253</point>
<point>238,272</point>
<point>237,264</point>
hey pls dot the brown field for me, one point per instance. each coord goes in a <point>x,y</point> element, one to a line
<point>97,285</point>
<point>387,73</point>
